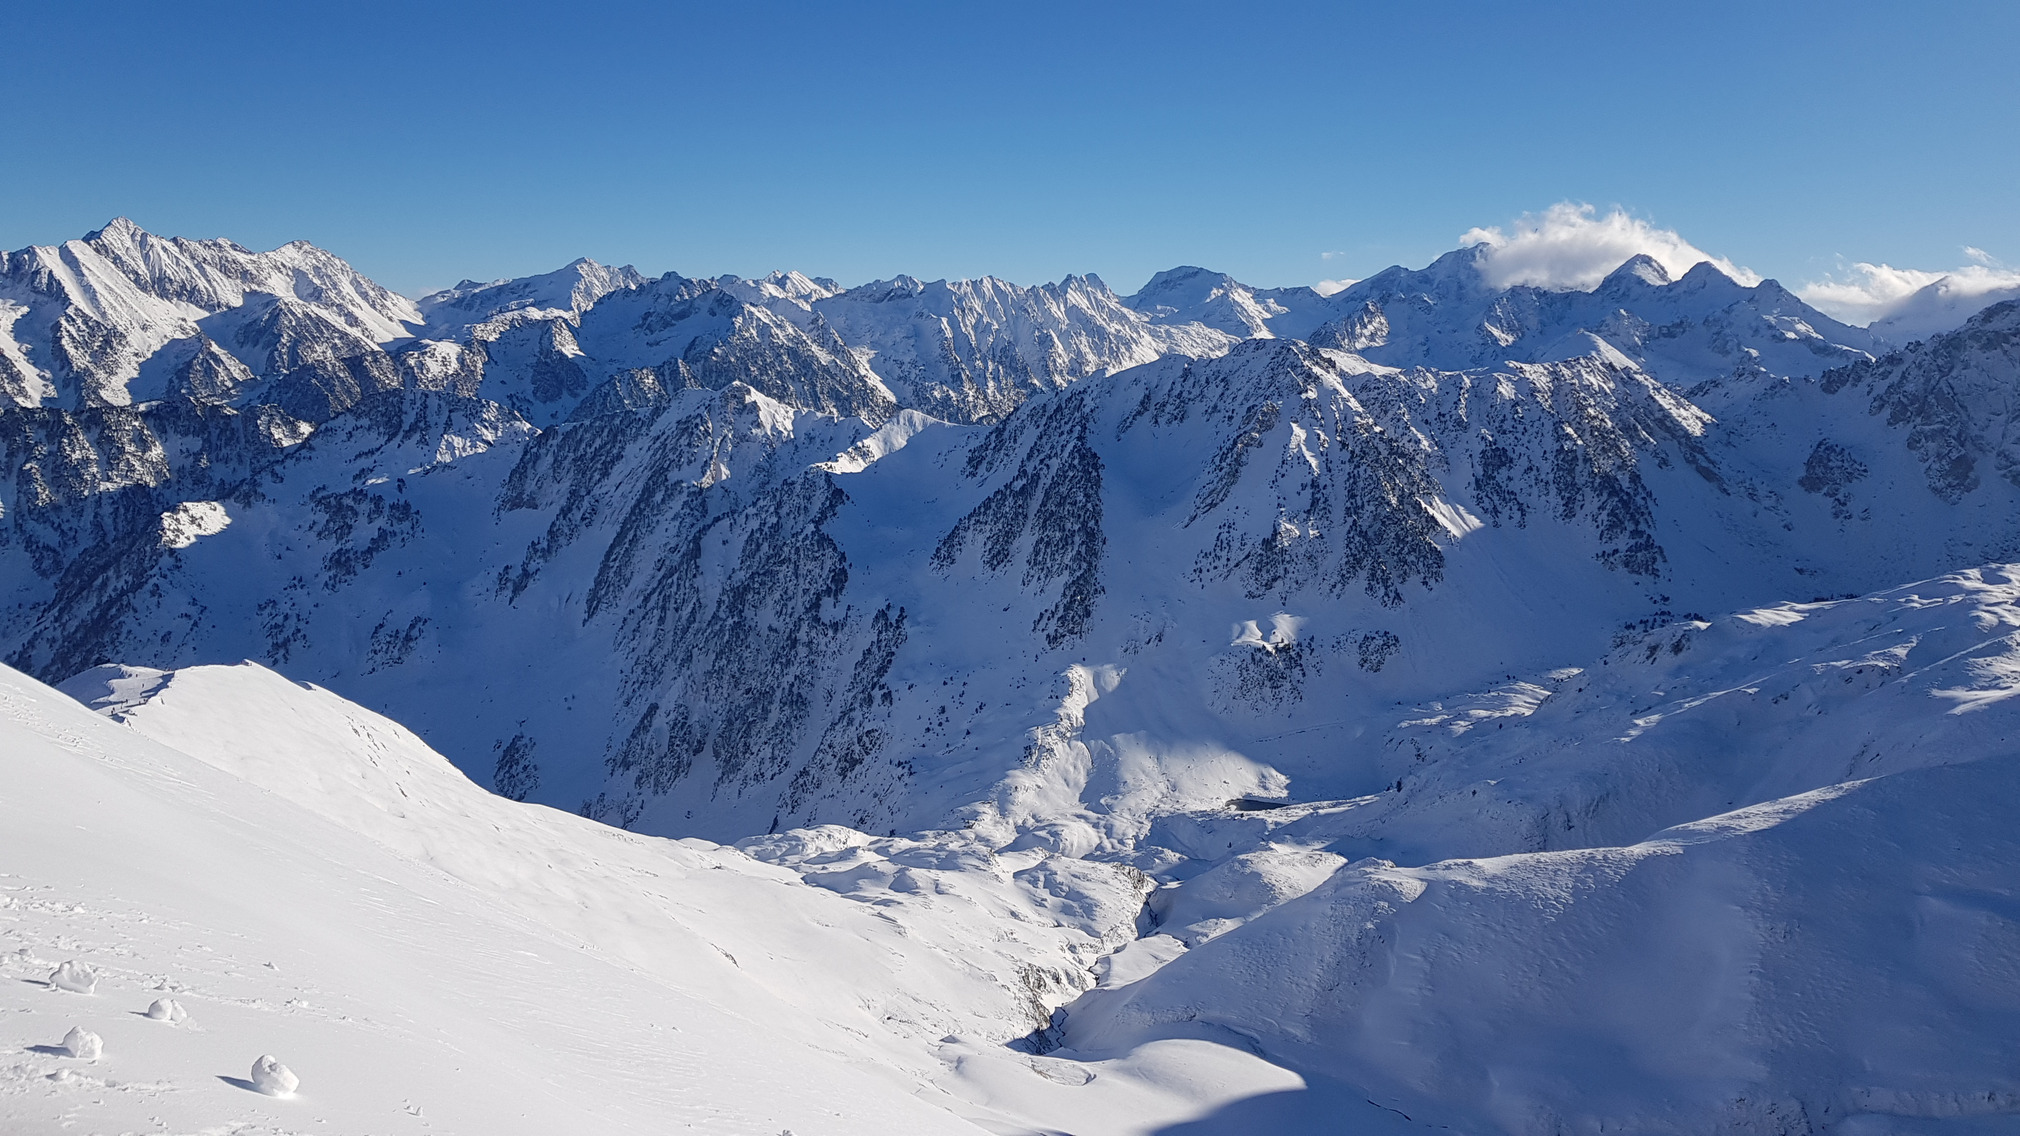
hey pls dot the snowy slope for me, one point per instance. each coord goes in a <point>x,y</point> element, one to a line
<point>1748,874</point>
<point>1826,950</point>
<point>426,956</point>
<point>405,997</point>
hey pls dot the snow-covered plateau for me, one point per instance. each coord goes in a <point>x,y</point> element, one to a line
<point>594,702</point>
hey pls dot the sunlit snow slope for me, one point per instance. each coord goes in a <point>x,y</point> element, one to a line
<point>333,910</point>
<point>1749,873</point>
<point>426,956</point>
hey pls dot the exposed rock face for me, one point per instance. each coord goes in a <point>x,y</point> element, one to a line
<point>1048,510</point>
<point>1951,393</point>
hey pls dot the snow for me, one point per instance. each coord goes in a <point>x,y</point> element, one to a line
<point>191,521</point>
<point>273,1078</point>
<point>1796,944</point>
<point>321,886</point>
<point>167,1010</point>
<point>1833,939</point>
<point>74,977</point>
<point>387,977</point>
<point>972,350</point>
<point>82,1044</point>
<point>565,293</point>
<point>1239,888</point>
<point>1444,702</point>
<point>89,313</point>
<point>1783,820</point>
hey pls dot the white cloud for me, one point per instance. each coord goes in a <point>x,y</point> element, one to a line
<point>1909,303</point>
<point>1328,287</point>
<point>1571,247</point>
<point>1865,292</point>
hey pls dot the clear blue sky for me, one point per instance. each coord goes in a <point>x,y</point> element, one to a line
<point>427,142</point>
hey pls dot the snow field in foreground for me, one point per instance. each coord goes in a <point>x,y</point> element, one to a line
<point>428,957</point>
<point>403,999</point>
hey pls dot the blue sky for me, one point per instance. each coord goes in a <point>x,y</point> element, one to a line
<point>1285,143</point>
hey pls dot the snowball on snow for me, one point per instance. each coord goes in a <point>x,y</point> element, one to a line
<point>273,1078</point>
<point>75,977</point>
<point>83,1044</point>
<point>167,1010</point>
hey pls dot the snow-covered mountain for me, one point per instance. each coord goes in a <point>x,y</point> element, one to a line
<point>1507,938</point>
<point>1217,300</point>
<point>1945,303</point>
<point>1701,326</point>
<point>1215,591</point>
<point>972,350</point>
<point>722,531</point>
<point>123,316</point>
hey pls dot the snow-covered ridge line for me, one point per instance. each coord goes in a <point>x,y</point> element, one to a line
<point>123,316</point>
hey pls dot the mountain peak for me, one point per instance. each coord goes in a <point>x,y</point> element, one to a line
<point>119,228</point>
<point>1641,267</point>
<point>1705,272</point>
<point>1188,294</point>
<point>1174,277</point>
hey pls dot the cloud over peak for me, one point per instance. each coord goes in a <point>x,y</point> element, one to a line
<point>1572,247</point>
<point>1908,303</point>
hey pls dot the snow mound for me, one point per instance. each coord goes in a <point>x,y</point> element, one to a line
<point>167,1010</point>
<point>273,1078</point>
<point>82,1044</point>
<point>74,976</point>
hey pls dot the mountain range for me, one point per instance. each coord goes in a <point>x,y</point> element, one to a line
<point>1536,710</point>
